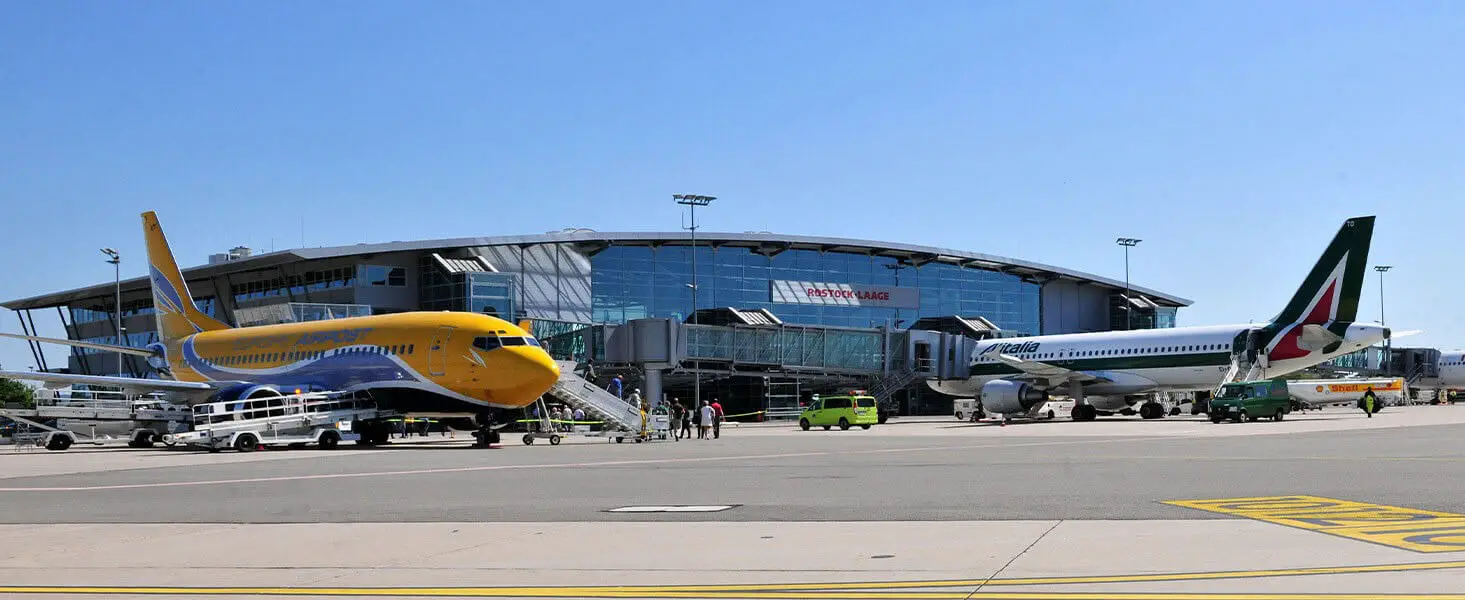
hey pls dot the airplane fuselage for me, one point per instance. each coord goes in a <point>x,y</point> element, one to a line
<point>1180,359</point>
<point>439,362</point>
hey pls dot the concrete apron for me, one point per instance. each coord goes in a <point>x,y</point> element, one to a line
<point>927,556</point>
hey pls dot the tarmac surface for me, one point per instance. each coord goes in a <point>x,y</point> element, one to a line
<point>929,508</point>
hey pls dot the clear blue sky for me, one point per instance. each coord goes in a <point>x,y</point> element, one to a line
<point>1233,137</point>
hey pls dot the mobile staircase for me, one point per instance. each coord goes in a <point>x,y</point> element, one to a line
<point>621,418</point>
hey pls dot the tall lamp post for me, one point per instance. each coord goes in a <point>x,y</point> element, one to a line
<point>692,201</point>
<point>116,259</point>
<point>1128,309</point>
<point>896,268</point>
<point>1388,344</point>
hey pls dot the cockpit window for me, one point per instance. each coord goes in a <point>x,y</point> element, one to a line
<point>512,341</point>
<point>486,342</point>
<point>531,341</point>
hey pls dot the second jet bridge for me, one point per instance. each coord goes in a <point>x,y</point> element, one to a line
<point>881,360</point>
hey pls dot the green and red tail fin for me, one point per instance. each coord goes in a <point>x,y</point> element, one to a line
<point>178,317</point>
<point>1330,292</point>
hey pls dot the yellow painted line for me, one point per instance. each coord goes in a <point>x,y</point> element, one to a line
<point>955,595</point>
<point>1394,526</point>
<point>875,589</point>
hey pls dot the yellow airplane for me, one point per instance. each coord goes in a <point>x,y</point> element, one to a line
<point>444,364</point>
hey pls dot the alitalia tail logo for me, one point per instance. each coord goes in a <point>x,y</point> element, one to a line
<point>1323,310</point>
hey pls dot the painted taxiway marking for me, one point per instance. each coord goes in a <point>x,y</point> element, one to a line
<point>797,591</point>
<point>575,465</point>
<point>570,593</point>
<point>1394,526</point>
<point>671,509</point>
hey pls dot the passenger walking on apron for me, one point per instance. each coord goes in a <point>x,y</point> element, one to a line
<point>706,415</point>
<point>686,431</point>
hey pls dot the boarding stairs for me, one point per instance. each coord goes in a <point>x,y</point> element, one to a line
<point>1240,370</point>
<point>887,385</point>
<point>598,404</point>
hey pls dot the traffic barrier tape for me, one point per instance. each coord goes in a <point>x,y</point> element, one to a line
<point>1395,526</point>
<point>561,421</point>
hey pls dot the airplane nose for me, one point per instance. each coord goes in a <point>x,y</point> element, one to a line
<point>527,373</point>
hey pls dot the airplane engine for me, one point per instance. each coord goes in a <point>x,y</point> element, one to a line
<point>1010,397</point>
<point>247,392</point>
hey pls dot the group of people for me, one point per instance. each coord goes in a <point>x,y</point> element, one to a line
<point>562,418</point>
<point>706,418</point>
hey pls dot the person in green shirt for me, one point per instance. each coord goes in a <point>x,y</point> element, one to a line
<point>1368,402</point>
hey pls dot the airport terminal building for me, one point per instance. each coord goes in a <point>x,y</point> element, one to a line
<point>587,278</point>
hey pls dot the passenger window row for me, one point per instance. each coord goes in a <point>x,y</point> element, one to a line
<point>297,355</point>
<point>1072,354</point>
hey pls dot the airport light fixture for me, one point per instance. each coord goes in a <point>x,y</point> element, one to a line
<point>116,259</point>
<point>1128,309</point>
<point>1388,344</point>
<point>692,201</point>
<point>896,268</point>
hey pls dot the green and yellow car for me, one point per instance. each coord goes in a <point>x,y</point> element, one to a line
<point>844,411</point>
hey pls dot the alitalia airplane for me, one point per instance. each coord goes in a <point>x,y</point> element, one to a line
<point>1104,372</point>
<point>448,364</point>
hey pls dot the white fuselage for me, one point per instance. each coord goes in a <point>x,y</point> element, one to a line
<point>1452,372</point>
<point>1178,359</point>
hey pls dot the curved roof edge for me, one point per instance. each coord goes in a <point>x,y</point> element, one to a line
<point>914,252</point>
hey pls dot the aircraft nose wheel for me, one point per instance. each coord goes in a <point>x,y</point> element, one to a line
<point>1084,412</point>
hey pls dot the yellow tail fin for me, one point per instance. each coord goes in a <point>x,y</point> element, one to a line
<point>178,317</point>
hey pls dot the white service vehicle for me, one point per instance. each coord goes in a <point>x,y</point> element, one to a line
<point>319,418</point>
<point>970,409</point>
<point>1317,393</point>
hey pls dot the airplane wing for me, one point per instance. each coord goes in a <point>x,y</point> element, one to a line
<point>1044,373</point>
<point>128,384</point>
<point>94,345</point>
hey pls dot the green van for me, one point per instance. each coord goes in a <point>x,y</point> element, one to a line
<point>1251,400</point>
<point>843,411</point>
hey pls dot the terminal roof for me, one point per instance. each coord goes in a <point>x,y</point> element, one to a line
<point>769,243</point>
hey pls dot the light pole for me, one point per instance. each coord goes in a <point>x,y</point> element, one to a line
<point>116,259</point>
<point>896,268</point>
<point>692,201</point>
<point>1128,309</point>
<point>1388,344</point>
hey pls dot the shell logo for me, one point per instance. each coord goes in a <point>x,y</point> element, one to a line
<point>1318,389</point>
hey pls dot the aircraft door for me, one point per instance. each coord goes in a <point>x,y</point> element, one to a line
<point>437,353</point>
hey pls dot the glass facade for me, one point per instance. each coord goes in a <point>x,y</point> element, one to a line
<point>479,292</point>
<point>632,282</point>
<point>295,284</point>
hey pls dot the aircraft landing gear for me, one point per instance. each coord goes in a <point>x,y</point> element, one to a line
<point>1082,410</point>
<point>1151,410</point>
<point>485,436</point>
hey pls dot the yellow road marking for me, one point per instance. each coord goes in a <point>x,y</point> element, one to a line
<point>828,591</point>
<point>1395,526</point>
<point>955,595</point>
